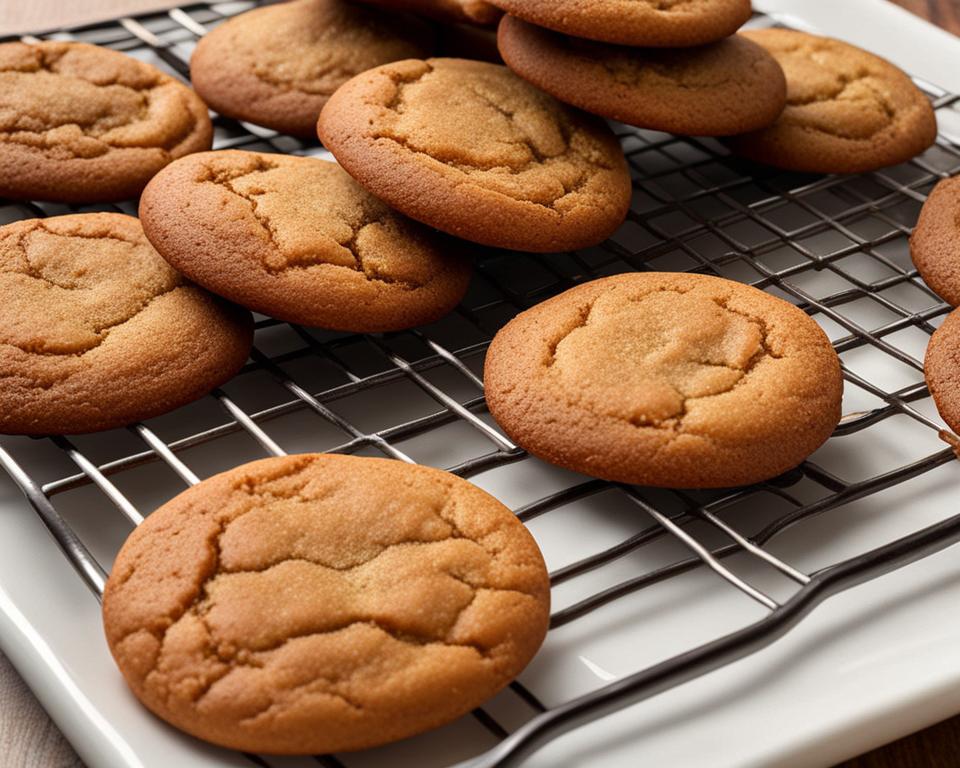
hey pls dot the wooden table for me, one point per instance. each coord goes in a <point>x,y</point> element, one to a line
<point>27,736</point>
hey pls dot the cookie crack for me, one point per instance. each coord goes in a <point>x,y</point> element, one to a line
<point>226,180</point>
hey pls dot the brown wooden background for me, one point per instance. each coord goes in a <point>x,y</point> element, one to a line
<point>27,737</point>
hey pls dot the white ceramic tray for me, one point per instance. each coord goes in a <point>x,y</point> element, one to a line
<point>866,667</point>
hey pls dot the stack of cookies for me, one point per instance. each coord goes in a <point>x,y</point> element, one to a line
<point>786,99</point>
<point>306,604</point>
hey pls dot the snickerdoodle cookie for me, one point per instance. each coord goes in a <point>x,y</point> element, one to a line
<point>718,89</point>
<point>298,239</point>
<point>935,244</point>
<point>471,149</point>
<point>79,123</point>
<point>97,331</point>
<point>312,604</point>
<point>665,379</point>
<point>276,66</point>
<point>657,23</point>
<point>847,111</point>
<point>941,368</point>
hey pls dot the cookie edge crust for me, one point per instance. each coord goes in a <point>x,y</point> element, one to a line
<point>606,25</point>
<point>933,244</point>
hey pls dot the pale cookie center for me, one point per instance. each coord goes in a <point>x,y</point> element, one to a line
<point>828,93</point>
<point>641,360</point>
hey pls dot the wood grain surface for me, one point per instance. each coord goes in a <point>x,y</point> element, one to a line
<point>27,736</point>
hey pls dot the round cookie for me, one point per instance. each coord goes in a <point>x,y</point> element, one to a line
<point>97,331</point>
<point>941,368</point>
<point>653,23</point>
<point>453,11</point>
<point>298,239</point>
<point>276,66</point>
<point>935,243</point>
<point>718,89</point>
<point>79,123</point>
<point>323,603</point>
<point>473,150</point>
<point>665,379</point>
<point>847,111</point>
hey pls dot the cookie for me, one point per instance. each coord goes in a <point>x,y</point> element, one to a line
<point>455,11</point>
<point>79,123</point>
<point>665,379</point>
<point>471,149</point>
<point>718,89</point>
<point>653,23</point>
<point>322,603</point>
<point>97,331</point>
<point>941,368</point>
<point>934,244</point>
<point>276,66</point>
<point>847,111</point>
<point>298,239</point>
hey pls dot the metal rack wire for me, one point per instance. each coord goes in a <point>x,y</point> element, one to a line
<point>694,208</point>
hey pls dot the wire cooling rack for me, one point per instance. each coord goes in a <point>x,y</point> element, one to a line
<point>835,246</point>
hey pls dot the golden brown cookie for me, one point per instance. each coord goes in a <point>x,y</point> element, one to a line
<point>298,239</point>
<point>471,149</point>
<point>935,244</point>
<point>80,123</point>
<point>847,111</point>
<point>717,89</point>
<point>655,23</point>
<point>456,11</point>
<point>276,66</point>
<point>941,368</point>
<point>665,379</point>
<point>322,603</point>
<point>97,331</point>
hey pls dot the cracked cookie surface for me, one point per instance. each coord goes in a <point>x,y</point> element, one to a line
<point>473,150</point>
<point>276,66</point>
<point>79,123</point>
<point>665,379</point>
<point>933,245</point>
<point>718,89</point>
<point>319,603</point>
<point>847,111</point>
<point>655,23</point>
<point>941,368</point>
<point>98,331</point>
<point>298,239</point>
<point>452,11</point>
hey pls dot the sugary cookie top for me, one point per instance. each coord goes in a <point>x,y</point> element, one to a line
<point>671,379</point>
<point>67,282</point>
<point>73,100</point>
